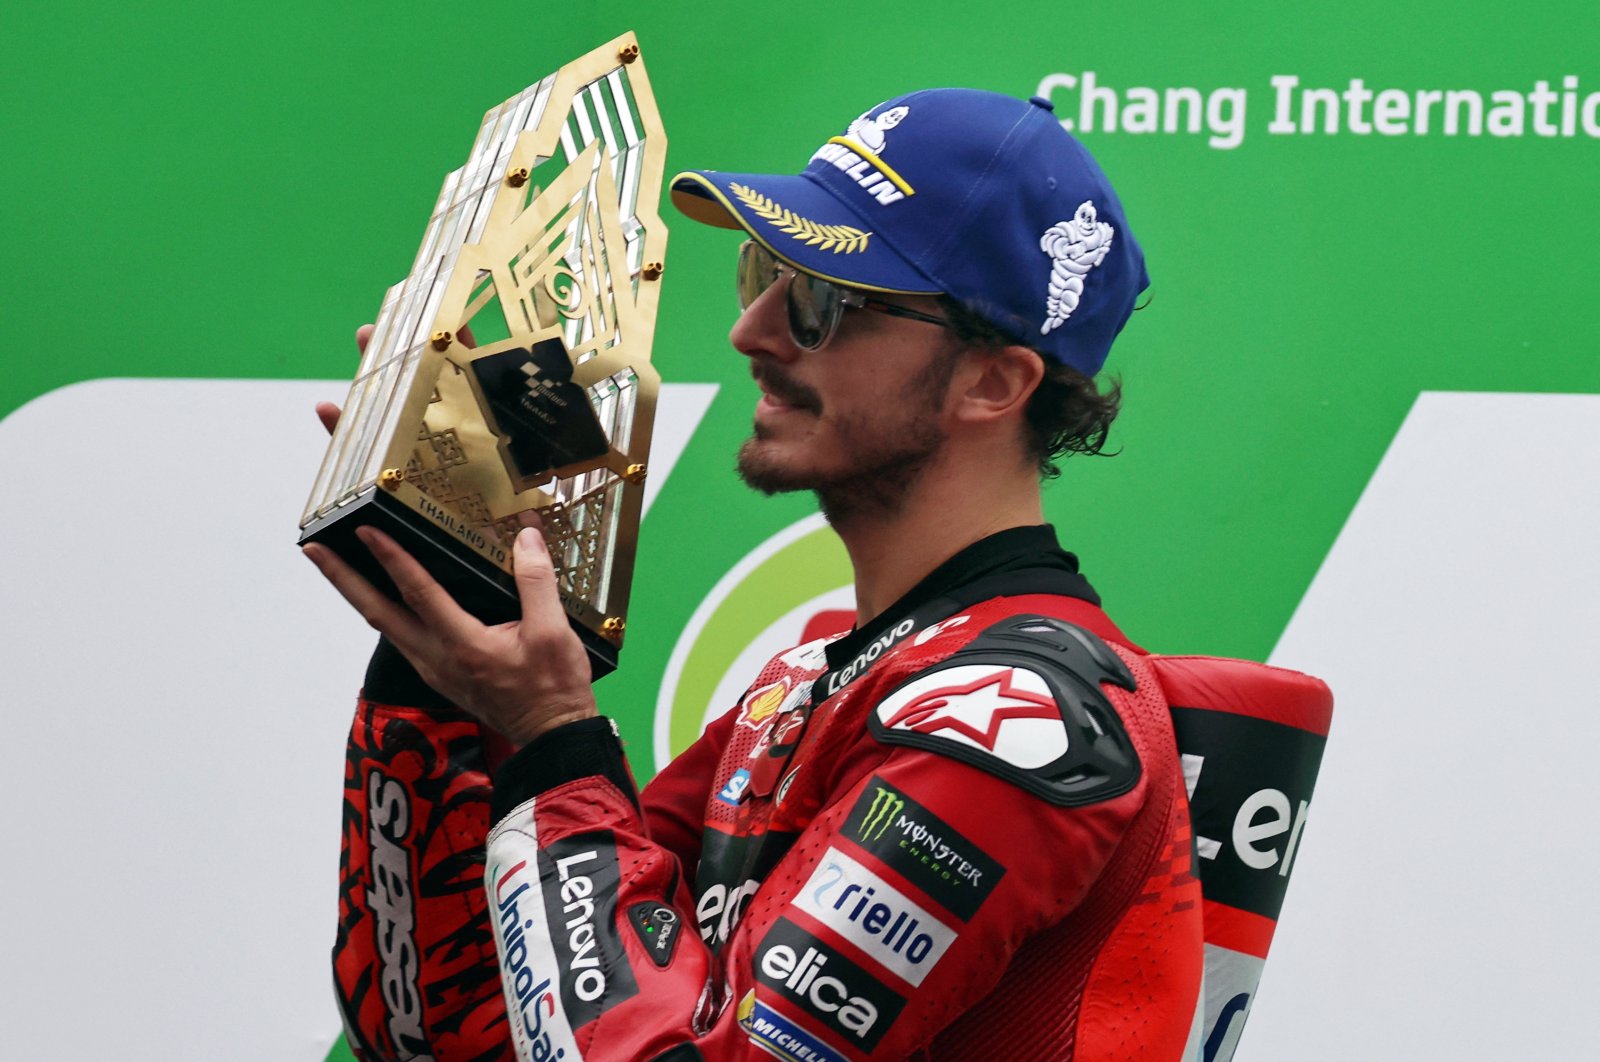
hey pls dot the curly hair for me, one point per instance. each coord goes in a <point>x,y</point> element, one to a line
<point>1067,414</point>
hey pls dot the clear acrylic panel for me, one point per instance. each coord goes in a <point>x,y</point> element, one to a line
<point>398,384</point>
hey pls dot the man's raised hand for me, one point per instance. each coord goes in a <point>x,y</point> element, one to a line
<point>521,678</point>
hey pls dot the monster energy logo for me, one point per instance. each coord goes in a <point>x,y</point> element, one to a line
<point>886,804</point>
<point>929,852</point>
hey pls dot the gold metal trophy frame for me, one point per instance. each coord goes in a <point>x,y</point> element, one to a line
<point>548,246</point>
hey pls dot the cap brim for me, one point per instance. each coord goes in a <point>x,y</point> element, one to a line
<point>801,223</point>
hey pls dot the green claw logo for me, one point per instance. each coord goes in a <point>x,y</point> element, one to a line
<point>886,804</point>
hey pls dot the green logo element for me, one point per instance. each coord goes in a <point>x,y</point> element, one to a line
<point>886,804</point>
<point>783,573</point>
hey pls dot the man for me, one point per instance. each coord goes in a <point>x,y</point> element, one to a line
<point>959,830</point>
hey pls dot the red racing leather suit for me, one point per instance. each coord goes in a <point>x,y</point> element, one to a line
<point>968,839</point>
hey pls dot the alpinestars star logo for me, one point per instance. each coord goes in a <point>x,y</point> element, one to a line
<point>1007,712</point>
<point>986,702</point>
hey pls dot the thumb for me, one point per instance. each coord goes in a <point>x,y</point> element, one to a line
<point>535,573</point>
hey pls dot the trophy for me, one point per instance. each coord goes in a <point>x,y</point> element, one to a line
<point>510,371</point>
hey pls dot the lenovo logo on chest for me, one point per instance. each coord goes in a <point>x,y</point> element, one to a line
<point>838,680</point>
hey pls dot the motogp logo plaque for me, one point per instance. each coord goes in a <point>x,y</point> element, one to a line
<point>510,372</point>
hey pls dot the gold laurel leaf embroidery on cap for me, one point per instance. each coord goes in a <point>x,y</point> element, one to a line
<point>840,239</point>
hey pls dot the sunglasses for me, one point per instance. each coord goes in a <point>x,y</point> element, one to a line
<point>815,305</point>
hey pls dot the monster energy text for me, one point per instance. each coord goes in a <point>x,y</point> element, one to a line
<point>926,846</point>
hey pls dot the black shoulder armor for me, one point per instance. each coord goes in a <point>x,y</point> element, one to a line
<point>1022,701</point>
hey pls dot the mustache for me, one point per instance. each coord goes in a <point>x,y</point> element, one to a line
<point>789,390</point>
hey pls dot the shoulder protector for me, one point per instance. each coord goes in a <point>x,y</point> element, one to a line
<point>1022,701</point>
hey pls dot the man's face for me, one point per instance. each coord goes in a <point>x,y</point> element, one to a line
<point>858,420</point>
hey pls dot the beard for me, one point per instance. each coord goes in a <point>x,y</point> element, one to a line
<point>888,448</point>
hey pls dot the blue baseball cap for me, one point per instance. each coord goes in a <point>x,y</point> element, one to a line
<point>960,192</point>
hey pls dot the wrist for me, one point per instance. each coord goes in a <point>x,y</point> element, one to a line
<point>586,748</point>
<point>530,727</point>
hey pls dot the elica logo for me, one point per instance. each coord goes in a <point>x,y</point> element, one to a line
<point>536,1001</point>
<point>874,916</point>
<point>390,900</point>
<point>720,909</point>
<point>802,976</point>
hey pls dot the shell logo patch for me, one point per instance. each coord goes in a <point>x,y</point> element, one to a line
<point>1075,247</point>
<point>840,239</point>
<point>762,704</point>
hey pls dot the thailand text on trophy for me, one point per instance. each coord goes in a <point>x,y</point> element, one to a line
<point>546,247</point>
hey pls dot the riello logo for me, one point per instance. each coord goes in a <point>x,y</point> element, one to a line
<point>886,924</point>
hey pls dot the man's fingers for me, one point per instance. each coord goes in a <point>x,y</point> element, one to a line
<point>536,582</point>
<point>420,591</point>
<point>328,413</point>
<point>363,337</point>
<point>375,606</point>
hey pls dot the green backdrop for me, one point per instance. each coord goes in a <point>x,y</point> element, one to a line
<point>197,191</point>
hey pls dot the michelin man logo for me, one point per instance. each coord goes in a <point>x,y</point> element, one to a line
<point>856,154</point>
<point>1076,246</point>
<point>868,132</point>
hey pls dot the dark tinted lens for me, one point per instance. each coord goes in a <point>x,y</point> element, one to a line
<point>757,272</point>
<point>814,309</point>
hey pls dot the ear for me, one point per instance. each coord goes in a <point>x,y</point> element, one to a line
<point>995,385</point>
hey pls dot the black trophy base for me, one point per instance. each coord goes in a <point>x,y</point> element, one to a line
<point>477,585</point>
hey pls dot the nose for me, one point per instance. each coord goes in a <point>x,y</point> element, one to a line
<point>762,330</point>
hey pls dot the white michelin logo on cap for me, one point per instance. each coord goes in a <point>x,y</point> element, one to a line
<point>856,153</point>
<point>1076,246</point>
<point>868,132</point>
